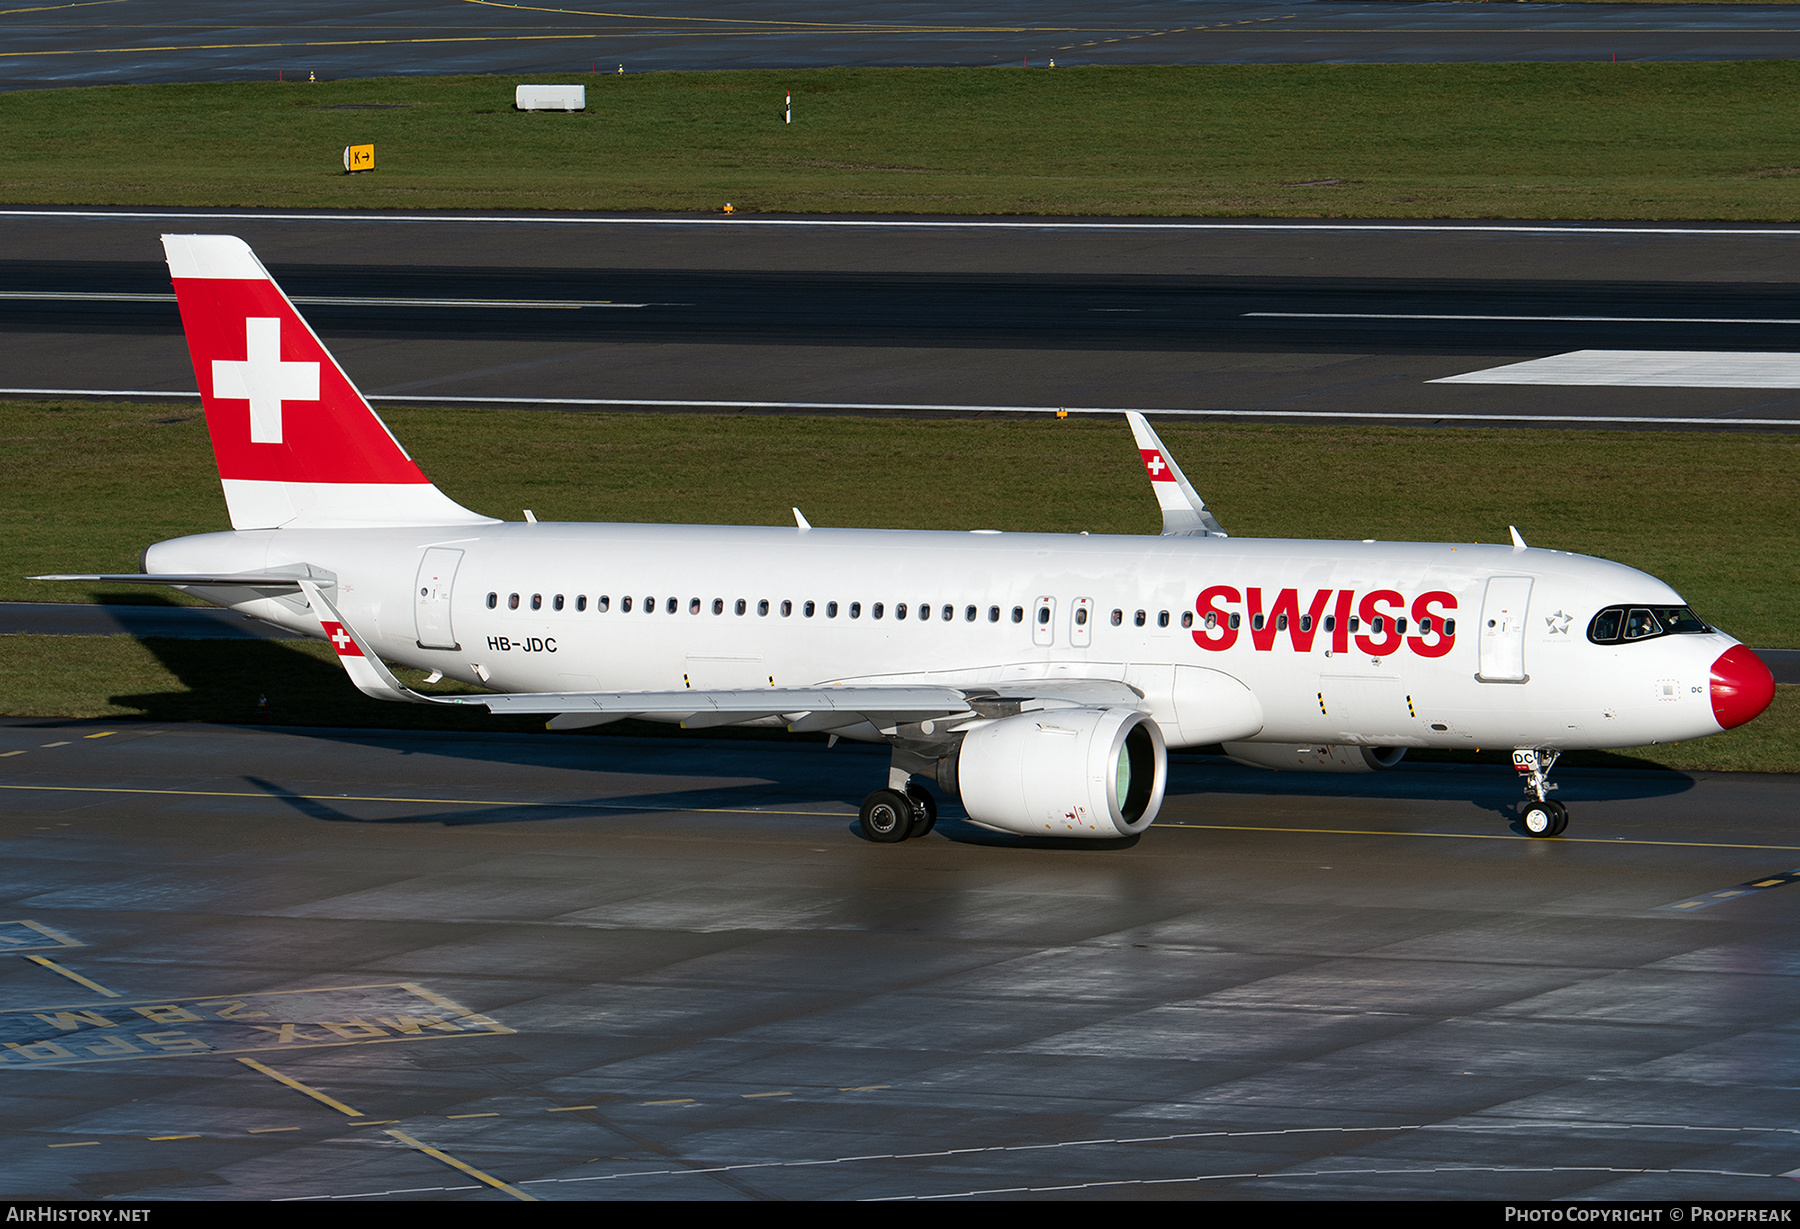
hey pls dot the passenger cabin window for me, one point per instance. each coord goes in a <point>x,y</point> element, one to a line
<point>1162,618</point>
<point>603,603</point>
<point>1081,616</point>
<point>855,610</point>
<point>807,610</point>
<point>968,614</point>
<point>556,603</point>
<point>693,605</point>
<point>1018,614</point>
<point>493,601</point>
<point>947,613</point>
<point>993,614</point>
<point>1118,618</point>
<point>1043,614</point>
<point>762,607</point>
<point>674,604</point>
<point>1139,619</point>
<point>1187,618</point>
<point>625,604</point>
<point>581,601</point>
<point>899,610</point>
<point>787,608</point>
<point>718,605</point>
<point>874,611</point>
<point>741,606</point>
<point>831,610</point>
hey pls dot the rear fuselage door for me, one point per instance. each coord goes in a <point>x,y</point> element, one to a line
<point>1503,629</point>
<point>431,598</point>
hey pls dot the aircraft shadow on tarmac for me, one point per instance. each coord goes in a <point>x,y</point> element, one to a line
<point>270,683</point>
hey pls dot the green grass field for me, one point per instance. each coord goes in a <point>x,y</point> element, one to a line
<point>85,487</point>
<point>1648,141</point>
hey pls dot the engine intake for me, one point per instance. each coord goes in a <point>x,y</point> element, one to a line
<point>1084,772</point>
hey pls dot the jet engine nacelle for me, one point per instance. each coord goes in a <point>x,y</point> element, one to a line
<point>1315,758</point>
<point>1086,772</point>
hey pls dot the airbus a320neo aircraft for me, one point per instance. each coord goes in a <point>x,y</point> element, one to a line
<point>1039,677</point>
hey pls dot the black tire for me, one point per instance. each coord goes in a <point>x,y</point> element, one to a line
<point>924,813</point>
<point>1544,819</point>
<point>887,817</point>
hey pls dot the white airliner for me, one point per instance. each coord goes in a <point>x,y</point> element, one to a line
<point>1039,677</point>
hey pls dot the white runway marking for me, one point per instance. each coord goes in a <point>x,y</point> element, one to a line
<point>1511,228</point>
<point>863,407</point>
<point>1528,319</point>
<point>1647,369</point>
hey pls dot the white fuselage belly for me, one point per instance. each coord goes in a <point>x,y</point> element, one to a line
<point>1575,694</point>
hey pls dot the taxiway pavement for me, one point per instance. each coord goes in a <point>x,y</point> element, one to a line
<point>281,964</point>
<point>1245,318</point>
<point>210,40</point>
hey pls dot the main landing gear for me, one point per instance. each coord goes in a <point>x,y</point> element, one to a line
<point>890,816</point>
<point>1542,815</point>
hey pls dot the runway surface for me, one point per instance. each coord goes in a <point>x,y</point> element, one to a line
<point>1239,318</point>
<point>111,41</point>
<point>282,964</point>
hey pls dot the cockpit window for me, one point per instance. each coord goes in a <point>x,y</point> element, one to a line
<point>1627,623</point>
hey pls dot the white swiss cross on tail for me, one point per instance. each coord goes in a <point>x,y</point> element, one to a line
<point>263,379</point>
<point>340,639</point>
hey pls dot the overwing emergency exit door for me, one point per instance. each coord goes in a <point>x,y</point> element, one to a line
<point>431,598</point>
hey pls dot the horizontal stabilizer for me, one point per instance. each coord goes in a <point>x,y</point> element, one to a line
<point>1185,514</point>
<point>178,579</point>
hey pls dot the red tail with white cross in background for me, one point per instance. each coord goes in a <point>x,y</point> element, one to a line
<point>297,445</point>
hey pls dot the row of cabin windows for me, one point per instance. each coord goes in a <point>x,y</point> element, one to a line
<point>878,610</point>
<point>947,613</point>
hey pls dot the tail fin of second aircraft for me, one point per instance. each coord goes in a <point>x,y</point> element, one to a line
<point>297,445</point>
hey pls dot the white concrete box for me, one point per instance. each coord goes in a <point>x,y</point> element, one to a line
<point>550,98</point>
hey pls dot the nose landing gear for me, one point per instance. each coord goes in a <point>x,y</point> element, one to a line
<point>1542,817</point>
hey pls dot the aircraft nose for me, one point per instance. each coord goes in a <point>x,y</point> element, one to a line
<point>1741,686</point>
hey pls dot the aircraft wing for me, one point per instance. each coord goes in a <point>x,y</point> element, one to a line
<point>801,709</point>
<point>1185,514</point>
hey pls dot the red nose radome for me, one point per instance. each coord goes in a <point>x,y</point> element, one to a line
<point>1741,686</point>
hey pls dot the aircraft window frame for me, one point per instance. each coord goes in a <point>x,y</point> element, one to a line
<point>1140,619</point>
<point>1664,620</point>
<point>1330,623</point>
<point>1211,621</point>
<point>493,601</point>
<point>672,605</point>
<point>856,610</point>
<point>537,601</point>
<point>580,602</point>
<point>1187,618</point>
<point>625,603</point>
<point>1305,623</point>
<point>1162,618</point>
<point>1449,627</point>
<point>1018,615</point>
<point>693,605</point>
<point>1118,617</point>
<point>740,608</point>
<point>993,614</point>
<point>718,606</point>
<point>1235,621</point>
<point>831,610</point>
<point>649,605</point>
<point>948,613</point>
<point>925,612</point>
<point>603,603</point>
<point>787,608</point>
<point>899,610</point>
<point>556,603</point>
<point>762,607</point>
<point>806,611</point>
<point>1081,616</point>
<point>875,611</point>
<point>970,614</point>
